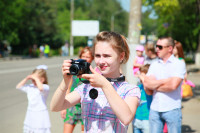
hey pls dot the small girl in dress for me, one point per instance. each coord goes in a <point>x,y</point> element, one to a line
<point>139,59</point>
<point>37,116</point>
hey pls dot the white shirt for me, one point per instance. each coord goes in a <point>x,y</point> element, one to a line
<point>36,99</point>
<point>42,48</point>
<point>166,101</point>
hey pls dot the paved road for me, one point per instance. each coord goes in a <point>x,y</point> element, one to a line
<point>13,102</point>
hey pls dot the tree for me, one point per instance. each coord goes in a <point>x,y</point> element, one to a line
<point>179,19</point>
<point>11,14</point>
<point>27,22</point>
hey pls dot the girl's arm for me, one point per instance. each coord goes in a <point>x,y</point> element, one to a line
<point>134,62</point>
<point>23,82</point>
<point>60,100</point>
<point>69,88</point>
<point>63,112</point>
<point>123,109</point>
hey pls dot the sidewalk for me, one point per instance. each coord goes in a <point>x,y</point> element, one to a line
<point>191,106</point>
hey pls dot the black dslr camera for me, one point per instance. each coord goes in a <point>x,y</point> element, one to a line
<point>79,67</point>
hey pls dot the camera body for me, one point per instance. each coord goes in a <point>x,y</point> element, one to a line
<point>79,67</point>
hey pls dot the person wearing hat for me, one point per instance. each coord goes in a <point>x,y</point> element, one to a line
<point>139,59</point>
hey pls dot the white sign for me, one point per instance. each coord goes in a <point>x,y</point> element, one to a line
<point>85,27</point>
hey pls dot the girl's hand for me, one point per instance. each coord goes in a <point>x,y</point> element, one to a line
<point>35,76</point>
<point>29,77</point>
<point>96,79</point>
<point>63,114</point>
<point>65,68</point>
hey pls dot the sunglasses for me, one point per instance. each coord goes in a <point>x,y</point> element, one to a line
<point>161,47</point>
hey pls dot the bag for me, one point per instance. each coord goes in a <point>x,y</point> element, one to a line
<point>186,90</point>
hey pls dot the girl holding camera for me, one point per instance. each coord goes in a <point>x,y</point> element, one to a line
<point>108,102</point>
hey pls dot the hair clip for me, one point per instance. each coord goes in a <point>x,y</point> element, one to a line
<point>42,67</point>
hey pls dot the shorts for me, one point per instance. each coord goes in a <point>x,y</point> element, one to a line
<point>73,115</point>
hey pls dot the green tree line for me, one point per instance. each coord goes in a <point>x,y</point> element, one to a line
<point>27,22</point>
<point>177,18</point>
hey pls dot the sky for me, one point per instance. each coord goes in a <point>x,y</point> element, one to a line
<point>126,6</point>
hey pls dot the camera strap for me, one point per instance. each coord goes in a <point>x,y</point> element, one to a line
<point>119,79</point>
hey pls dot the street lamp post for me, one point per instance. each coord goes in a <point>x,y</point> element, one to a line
<point>113,19</point>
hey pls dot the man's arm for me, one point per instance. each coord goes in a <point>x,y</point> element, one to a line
<point>169,84</point>
<point>151,83</point>
<point>162,85</point>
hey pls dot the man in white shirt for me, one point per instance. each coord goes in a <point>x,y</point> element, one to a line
<point>164,78</point>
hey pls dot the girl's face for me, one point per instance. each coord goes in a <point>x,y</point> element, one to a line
<point>107,59</point>
<point>139,53</point>
<point>87,56</point>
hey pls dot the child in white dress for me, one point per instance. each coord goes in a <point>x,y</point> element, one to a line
<point>37,116</point>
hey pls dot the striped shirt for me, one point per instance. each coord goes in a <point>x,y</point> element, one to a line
<point>97,114</point>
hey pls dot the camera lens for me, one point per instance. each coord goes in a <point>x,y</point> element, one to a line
<point>74,69</point>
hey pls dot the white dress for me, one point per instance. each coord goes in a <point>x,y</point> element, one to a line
<point>37,117</point>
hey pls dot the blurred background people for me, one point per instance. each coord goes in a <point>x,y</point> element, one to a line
<point>165,77</point>
<point>150,53</point>
<point>140,123</point>
<point>65,49</point>
<point>178,51</point>
<point>41,50</point>
<point>139,59</point>
<point>37,117</point>
<point>46,50</point>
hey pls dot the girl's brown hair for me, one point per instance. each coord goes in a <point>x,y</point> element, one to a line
<point>86,49</point>
<point>144,68</point>
<point>117,41</point>
<point>179,48</point>
<point>42,73</point>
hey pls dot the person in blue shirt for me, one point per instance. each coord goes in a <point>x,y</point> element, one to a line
<point>141,122</point>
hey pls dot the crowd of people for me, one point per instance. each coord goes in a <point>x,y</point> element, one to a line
<point>107,103</point>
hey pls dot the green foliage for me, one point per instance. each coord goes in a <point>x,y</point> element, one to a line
<point>179,19</point>
<point>27,22</point>
<point>54,52</point>
<point>11,14</point>
<point>189,60</point>
<point>149,25</point>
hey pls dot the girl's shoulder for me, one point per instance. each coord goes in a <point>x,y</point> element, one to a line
<point>127,86</point>
<point>128,89</point>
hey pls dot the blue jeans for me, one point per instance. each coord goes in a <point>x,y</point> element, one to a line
<point>140,126</point>
<point>173,119</point>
